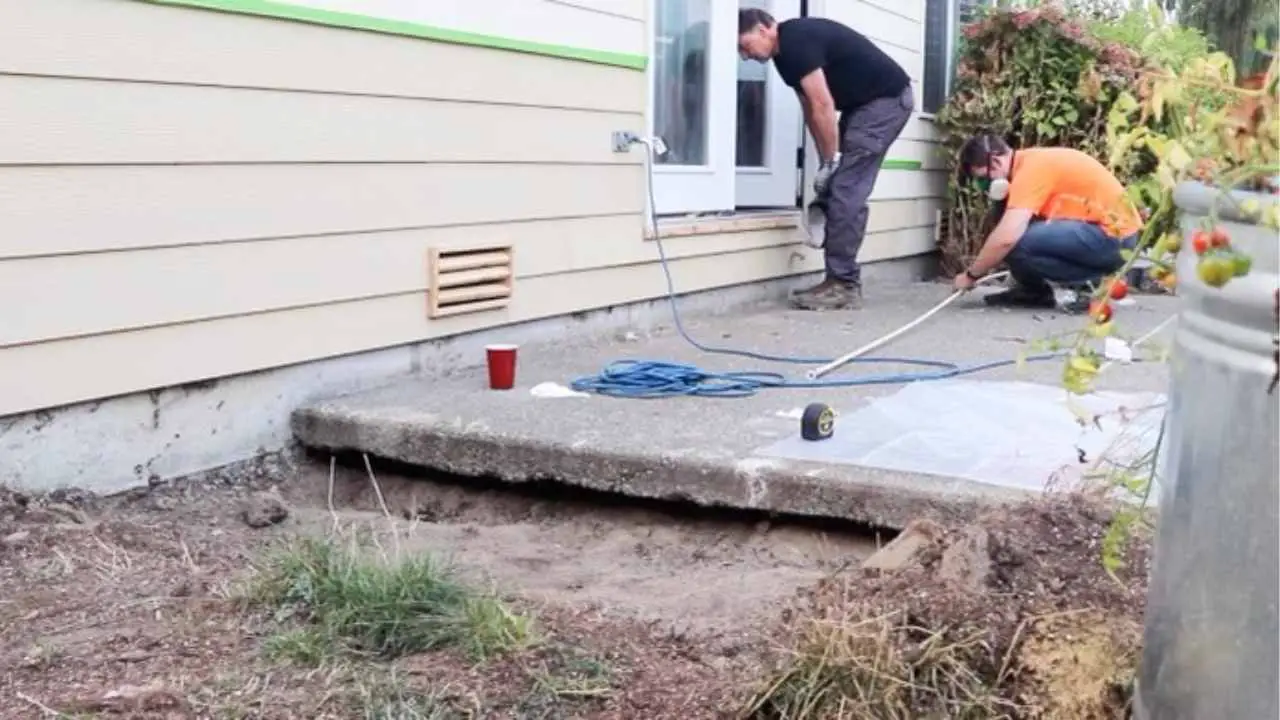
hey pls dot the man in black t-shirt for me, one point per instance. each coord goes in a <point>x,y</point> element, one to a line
<point>834,69</point>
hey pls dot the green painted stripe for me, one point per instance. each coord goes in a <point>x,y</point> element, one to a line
<point>333,18</point>
<point>901,165</point>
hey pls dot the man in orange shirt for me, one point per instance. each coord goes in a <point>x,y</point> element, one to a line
<point>1066,219</point>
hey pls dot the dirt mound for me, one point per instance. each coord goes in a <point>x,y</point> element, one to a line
<point>1013,616</point>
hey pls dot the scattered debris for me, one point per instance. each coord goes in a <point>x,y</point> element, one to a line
<point>904,549</point>
<point>966,561</point>
<point>65,512</point>
<point>1117,350</point>
<point>554,390</point>
<point>138,698</point>
<point>263,509</point>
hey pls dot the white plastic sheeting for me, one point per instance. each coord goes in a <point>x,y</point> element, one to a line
<point>1014,434</point>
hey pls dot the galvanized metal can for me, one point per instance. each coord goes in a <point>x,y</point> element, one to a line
<point>1212,630</point>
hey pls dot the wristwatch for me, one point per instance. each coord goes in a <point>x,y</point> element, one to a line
<point>969,273</point>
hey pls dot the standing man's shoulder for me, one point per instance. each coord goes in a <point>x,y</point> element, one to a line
<point>812,28</point>
<point>801,48</point>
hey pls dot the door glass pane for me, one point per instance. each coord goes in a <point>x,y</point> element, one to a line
<point>752,107</point>
<point>683,33</point>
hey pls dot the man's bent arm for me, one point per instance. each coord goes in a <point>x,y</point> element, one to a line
<point>820,113</point>
<point>1001,240</point>
<point>808,112</point>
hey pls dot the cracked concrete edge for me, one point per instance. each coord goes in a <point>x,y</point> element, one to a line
<point>793,489</point>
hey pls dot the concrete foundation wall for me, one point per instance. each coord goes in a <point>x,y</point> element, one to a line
<point>126,442</point>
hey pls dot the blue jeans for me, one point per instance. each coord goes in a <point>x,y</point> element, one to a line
<point>1066,252</point>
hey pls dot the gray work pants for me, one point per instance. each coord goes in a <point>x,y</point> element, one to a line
<point>865,137</point>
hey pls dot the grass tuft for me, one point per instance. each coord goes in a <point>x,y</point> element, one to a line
<point>302,646</point>
<point>359,602</point>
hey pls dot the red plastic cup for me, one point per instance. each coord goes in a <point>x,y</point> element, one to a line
<point>502,366</point>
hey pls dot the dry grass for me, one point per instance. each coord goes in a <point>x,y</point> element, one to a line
<point>866,665</point>
<point>1011,618</point>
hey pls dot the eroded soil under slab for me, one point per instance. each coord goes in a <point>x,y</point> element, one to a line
<point>132,607</point>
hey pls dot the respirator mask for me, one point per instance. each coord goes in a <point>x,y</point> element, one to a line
<point>997,189</point>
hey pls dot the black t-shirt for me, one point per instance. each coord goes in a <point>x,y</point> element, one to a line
<point>857,71</point>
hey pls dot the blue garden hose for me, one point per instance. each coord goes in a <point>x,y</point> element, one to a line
<point>656,378</point>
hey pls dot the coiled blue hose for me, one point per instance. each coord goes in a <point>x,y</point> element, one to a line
<point>647,379</point>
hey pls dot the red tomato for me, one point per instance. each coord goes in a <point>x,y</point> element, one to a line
<point>1100,311</point>
<point>1119,289</point>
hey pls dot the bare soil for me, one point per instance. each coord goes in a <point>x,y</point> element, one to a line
<point>134,607</point>
<point>128,606</point>
<point>1012,616</point>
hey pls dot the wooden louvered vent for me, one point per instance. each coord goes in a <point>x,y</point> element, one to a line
<point>470,280</point>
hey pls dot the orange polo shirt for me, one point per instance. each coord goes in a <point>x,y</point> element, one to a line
<point>1065,184</point>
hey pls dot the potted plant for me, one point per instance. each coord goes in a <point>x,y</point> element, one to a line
<point>1211,619</point>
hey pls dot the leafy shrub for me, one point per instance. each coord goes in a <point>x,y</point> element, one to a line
<point>1160,42</point>
<point>1046,76</point>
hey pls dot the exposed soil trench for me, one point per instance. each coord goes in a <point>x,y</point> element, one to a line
<point>703,569</point>
<point>125,606</point>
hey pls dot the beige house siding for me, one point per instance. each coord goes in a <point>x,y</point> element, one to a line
<point>191,194</point>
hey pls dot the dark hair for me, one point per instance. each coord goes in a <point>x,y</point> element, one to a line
<point>749,18</point>
<point>978,151</point>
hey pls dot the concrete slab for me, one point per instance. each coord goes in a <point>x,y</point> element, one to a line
<point>703,449</point>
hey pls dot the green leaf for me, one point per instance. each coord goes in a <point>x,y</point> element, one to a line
<point>1177,157</point>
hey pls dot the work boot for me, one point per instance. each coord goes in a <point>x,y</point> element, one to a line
<point>1020,296</point>
<point>830,294</point>
<point>1075,301</point>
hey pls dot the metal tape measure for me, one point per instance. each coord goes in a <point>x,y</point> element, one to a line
<point>818,422</point>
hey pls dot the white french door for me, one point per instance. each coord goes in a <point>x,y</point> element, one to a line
<point>769,127</point>
<point>691,78</point>
<point>731,128</point>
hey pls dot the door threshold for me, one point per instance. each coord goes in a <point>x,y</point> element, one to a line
<point>671,226</point>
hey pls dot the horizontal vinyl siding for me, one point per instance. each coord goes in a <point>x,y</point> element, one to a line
<point>43,120</point>
<point>190,194</point>
<point>186,352</point>
<point>129,39</point>
<point>333,268</point>
<point>102,208</point>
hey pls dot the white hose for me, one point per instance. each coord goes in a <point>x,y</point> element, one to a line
<point>886,339</point>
